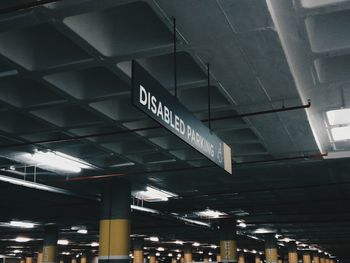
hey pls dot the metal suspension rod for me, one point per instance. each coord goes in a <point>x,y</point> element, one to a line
<point>209,109</point>
<point>75,138</point>
<point>175,56</point>
<point>25,6</point>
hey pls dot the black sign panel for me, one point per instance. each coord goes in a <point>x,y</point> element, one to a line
<point>153,99</point>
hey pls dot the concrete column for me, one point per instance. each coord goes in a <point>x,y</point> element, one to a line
<point>218,258</point>
<point>271,254</point>
<point>241,258</point>
<point>228,247</point>
<point>50,244</point>
<point>315,258</point>
<point>292,253</point>
<point>188,252</point>
<point>83,259</point>
<point>257,258</point>
<point>138,250</point>
<point>40,257</point>
<point>306,257</point>
<point>29,259</point>
<point>115,222</point>
<point>152,256</point>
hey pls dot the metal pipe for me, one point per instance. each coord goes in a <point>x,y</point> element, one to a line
<point>75,138</point>
<point>175,56</point>
<point>26,6</point>
<point>94,177</point>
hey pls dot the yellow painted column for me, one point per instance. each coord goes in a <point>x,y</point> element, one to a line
<point>61,261</point>
<point>152,257</point>
<point>279,260</point>
<point>218,258</point>
<point>228,247</point>
<point>83,259</point>
<point>50,244</point>
<point>138,250</point>
<point>241,258</point>
<point>188,252</point>
<point>327,260</point>
<point>29,259</point>
<point>22,260</point>
<point>115,222</point>
<point>306,257</point>
<point>271,254</point>
<point>173,260</point>
<point>40,257</point>
<point>73,260</point>
<point>322,259</point>
<point>316,258</point>
<point>292,253</point>
<point>257,259</point>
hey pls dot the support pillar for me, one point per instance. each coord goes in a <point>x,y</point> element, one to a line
<point>241,258</point>
<point>152,256</point>
<point>40,257</point>
<point>115,222</point>
<point>73,260</point>
<point>306,257</point>
<point>50,244</point>
<point>83,259</point>
<point>188,252</point>
<point>22,260</point>
<point>292,253</point>
<point>315,258</point>
<point>29,259</point>
<point>228,247</point>
<point>218,258</point>
<point>271,254</point>
<point>257,258</point>
<point>138,250</point>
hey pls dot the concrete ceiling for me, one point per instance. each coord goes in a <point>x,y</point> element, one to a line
<point>65,72</point>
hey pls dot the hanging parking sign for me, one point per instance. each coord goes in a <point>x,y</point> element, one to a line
<point>153,99</point>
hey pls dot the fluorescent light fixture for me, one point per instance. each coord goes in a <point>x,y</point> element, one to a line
<point>242,225</point>
<point>200,252</point>
<point>82,231</point>
<point>179,242</point>
<point>196,222</point>
<point>63,242</point>
<point>263,231</point>
<point>153,194</point>
<point>170,254</point>
<point>210,253</point>
<point>22,224</point>
<point>57,161</point>
<point>196,244</point>
<point>213,246</point>
<point>341,133</point>
<point>94,244</point>
<point>179,255</point>
<point>154,239</point>
<point>157,254</point>
<point>22,239</point>
<point>286,239</point>
<point>160,249</point>
<point>17,251</point>
<point>254,251</point>
<point>208,213</point>
<point>144,209</point>
<point>338,117</point>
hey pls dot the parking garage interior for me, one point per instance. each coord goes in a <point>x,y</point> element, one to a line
<point>87,175</point>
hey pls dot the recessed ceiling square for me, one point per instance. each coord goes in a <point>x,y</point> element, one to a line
<point>121,30</point>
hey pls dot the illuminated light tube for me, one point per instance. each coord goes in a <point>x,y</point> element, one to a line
<point>22,239</point>
<point>153,194</point>
<point>196,222</point>
<point>94,244</point>
<point>63,242</point>
<point>58,161</point>
<point>21,224</point>
<point>144,209</point>
<point>210,213</point>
